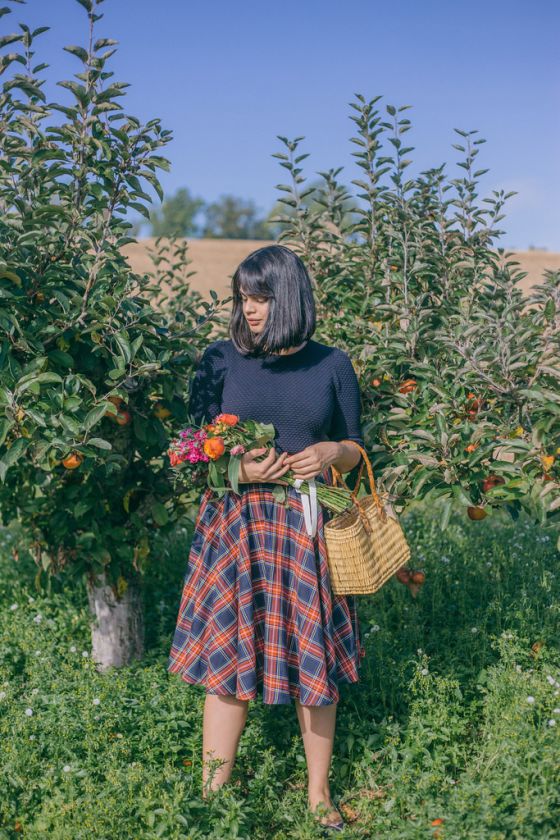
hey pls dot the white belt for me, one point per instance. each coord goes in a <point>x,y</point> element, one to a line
<point>309,501</point>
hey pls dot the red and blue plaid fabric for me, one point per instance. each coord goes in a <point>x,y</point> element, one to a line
<point>257,608</point>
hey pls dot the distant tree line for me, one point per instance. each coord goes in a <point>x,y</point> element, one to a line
<point>230,217</point>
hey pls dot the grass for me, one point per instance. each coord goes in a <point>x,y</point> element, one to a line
<point>456,717</point>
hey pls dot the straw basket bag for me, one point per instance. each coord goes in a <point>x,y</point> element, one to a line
<point>365,544</point>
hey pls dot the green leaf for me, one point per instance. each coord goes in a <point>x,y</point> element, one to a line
<point>445,514</point>
<point>41,378</point>
<point>123,344</point>
<point>16,449</point>
<point>233,472</point>
<point>80,52</point>
<point>461,496</point>
<point>59,357</point>
<point>213,474</point>
<point>100,443</point>
<point>95,415</point>
<point>160,514</point>
<point>5,426</point>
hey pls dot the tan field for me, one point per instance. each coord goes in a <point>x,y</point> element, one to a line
<point>215,260</point>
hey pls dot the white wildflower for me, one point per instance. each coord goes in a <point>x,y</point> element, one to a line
<point>66,768</point>
<point>530,700</point>
<point>85,653</point>
<point>73,649</point>
<point>14,606</point>
<point>552,722</point>
<point>96,701</point>
<point>424,672</point>
<point>2,695</point>
<point>29,712</point>
<point>38,618</point>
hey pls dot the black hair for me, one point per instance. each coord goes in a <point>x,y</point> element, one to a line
<point>275,272</point>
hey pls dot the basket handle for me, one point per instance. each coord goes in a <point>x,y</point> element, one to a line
<point>337,476</point>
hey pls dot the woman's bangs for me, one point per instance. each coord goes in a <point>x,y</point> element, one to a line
<point>252,282</point>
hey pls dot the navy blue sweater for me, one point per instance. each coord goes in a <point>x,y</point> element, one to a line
<point>309,396</point>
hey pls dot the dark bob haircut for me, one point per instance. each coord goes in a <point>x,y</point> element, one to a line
<point>277,273</point>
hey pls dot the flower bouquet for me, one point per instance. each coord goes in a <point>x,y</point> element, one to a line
<point>214,452</point>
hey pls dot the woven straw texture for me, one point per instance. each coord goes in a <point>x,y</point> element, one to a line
<point>365,546</point>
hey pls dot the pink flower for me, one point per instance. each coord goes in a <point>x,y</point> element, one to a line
<point>238,449</point>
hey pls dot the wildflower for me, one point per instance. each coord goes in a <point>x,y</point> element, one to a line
<point>85,653</point>
<point>29,712</point>
<point>554,711</point>
<point>73,649</point>
<point>375,628</point>
<point>474,629</point>
<point>530,700</point>
<point>2,695</point>
<point>14,606</point>
<point>228,419</point>
<point>424,672</point>
<point>552,722</point>
<point>66,768</point>
<point>96,701</point>
<point>238,449</point>
<point>419,651</point>
<point>38,618</point>
<point>34,691</point>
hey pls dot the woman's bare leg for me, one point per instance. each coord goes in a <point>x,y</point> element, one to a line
<point>317,724</point>
<point>224,721</point>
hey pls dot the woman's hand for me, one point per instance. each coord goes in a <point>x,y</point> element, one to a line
<point>312,460</point>
<point>269,469</point>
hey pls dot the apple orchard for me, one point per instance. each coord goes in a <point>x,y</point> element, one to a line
<point>459,372</point>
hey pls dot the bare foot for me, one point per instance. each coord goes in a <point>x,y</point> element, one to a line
<point>325,812</point>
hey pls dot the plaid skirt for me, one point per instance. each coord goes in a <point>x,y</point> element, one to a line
<point>257,610</point>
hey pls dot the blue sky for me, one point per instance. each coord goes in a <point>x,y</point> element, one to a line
<point>227,78</point>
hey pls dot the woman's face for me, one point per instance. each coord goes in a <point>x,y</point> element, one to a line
<point>255,311</point>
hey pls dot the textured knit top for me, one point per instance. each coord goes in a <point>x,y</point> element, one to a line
<point>309,396</point>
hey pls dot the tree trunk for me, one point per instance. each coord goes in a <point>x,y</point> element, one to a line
<point>117,630</point>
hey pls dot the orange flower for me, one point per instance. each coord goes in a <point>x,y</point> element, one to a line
<point>214,447</point>
<point>210,427</point>
<point>437,821</point>
<point>228,419</point>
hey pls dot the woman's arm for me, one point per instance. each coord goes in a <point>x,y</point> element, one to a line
<point>346,419</point>
<point>207,384</point>
<point>346,456</point>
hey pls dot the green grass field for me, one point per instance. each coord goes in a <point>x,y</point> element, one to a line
<point>456,717</point>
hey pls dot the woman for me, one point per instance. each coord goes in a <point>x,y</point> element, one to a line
<point>257,611</point>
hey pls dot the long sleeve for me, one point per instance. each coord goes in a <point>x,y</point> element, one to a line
<point>346,418</point>
<point>205,399</point>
